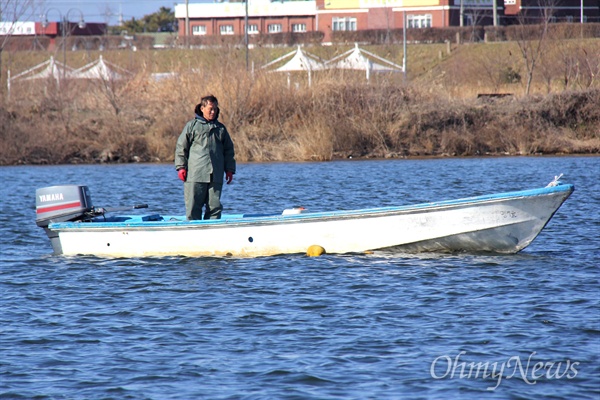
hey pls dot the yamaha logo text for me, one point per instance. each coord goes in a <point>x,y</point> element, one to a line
<point>51,197</point>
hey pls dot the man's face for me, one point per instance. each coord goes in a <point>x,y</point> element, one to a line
<point>209,111</point>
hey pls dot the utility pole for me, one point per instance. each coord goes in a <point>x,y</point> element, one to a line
<point>187,22</point>
<point>64,33</point>
<point>404,44</point>
<point>246,33</point>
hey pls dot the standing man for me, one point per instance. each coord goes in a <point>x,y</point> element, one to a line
<point>204,153</point>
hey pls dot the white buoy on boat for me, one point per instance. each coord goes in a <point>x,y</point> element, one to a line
<point>294,210</point>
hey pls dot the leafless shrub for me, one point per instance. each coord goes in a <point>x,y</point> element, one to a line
<point>339,114</point>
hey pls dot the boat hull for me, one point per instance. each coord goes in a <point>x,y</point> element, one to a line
<point>501,223</point>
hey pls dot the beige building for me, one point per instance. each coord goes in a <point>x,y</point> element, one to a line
<point>328,16</point>
<point>264,16</point>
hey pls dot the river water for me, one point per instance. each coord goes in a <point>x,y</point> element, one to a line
<point>378,326</point>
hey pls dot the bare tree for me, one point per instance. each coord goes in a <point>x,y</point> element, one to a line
<point>590,67</point>
<point>495,67</point>
<point>567,61</point>
<point>549,69</point>
<point>476,16</point>
<point>11,12</point>
<point>531,38</point>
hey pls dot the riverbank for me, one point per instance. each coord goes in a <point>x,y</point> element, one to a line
<point>276,117</point>
<point>397,124</point>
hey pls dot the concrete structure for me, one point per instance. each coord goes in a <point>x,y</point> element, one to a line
<point>264,17</point>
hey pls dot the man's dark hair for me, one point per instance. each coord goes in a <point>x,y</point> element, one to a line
<point>209,99</point>
<point>204,101</point>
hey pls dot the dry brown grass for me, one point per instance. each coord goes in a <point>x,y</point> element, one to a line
<point>340,115</point>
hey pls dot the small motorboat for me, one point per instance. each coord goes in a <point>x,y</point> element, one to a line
<point>496,223</point>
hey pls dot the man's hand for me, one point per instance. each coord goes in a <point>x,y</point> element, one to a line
<point>228,177</point>
<point>182,173</point>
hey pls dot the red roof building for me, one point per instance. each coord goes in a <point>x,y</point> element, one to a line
<point>327,16</point>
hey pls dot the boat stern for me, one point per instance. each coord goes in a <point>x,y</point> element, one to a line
<point>61,204</point>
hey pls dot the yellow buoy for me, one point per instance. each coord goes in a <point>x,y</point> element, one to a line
<point>315,250</point>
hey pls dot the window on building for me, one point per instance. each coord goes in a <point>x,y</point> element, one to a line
<point>199,30</point>
<point>274,28</point>
<point>253,29</point>
<point>298,27</point>
<point>343,23</point>
<point>226,29</point>
<point>419,21</point>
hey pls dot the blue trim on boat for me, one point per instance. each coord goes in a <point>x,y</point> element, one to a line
<point>156,220</point>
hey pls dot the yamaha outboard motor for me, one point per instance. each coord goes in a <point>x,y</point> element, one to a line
<point>61,204</point>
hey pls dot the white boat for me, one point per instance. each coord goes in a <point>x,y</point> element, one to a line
<point>497,223</point>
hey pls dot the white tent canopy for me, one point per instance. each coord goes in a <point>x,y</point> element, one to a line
<point>300,61</point>
<point>360,59</point>
<point>46,70</point>
<point>53,69</point>
<point>100,69</point>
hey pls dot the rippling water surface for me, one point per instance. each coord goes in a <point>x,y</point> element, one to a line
<point>376,326</point>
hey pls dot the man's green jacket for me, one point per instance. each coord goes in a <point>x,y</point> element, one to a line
<point>205,148</point>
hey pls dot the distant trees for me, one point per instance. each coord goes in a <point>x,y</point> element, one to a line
<point>161,21</point>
